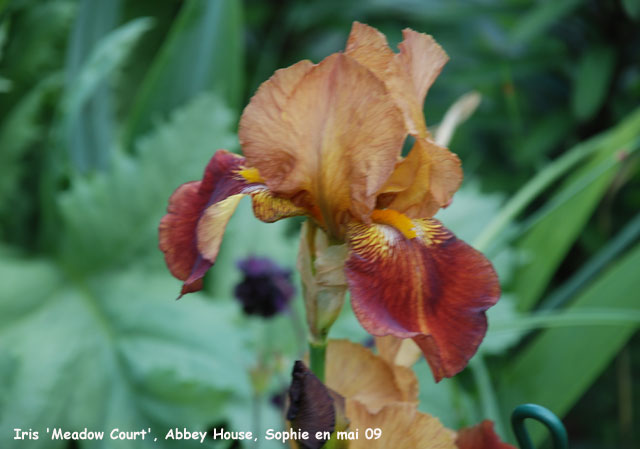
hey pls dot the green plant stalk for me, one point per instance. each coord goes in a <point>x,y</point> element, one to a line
<point>593,317</point>
<point>618,136</point>
<point>488,398</point>
<point>317,355</point>
<point>595,265</point>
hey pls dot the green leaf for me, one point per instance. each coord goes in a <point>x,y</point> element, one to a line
<point>541,17</point>
<point>92,131</point>
<point>20,130</point>
<point>569,209</point>
<point>112,351</point>
<point>592,80</point>
<point>109,53</point>
<point>557,367</point>
<point>202,52</point>
<point>632,8</point>
<point>113,216</point>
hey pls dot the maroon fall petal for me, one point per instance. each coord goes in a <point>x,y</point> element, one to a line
<point>178,228</point>
<point>481,436</point>
<point>433,288</point>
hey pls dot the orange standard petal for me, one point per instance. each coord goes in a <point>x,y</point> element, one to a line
<point>481,436</point>
<point>408,74</point>
<point>433,287</point>
<point>191,232</point>
<point>423,182</point>
<point>355,372</point>
<point>331,131</point>
<point>398,426</point>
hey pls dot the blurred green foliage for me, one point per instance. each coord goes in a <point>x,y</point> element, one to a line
<point>107,106</point>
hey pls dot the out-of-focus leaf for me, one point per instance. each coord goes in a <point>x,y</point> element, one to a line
<point>36,44</point>
<point>114,215</point>
<point>559,365</point>
<point>92,131</point>
<point>19,130</point>
<point>621,137</point>
<point>632,8</point>
<point>202,52</point>
<point>540,17</point>
<point>109,53</point>
<point>597,263</point>
<point>545,244</point>
<point>592,80</point>
<point>70,343</point>
<point>498,341</point>
<point>20,133</point>
<point>447,400</point>
<point>545,136</point>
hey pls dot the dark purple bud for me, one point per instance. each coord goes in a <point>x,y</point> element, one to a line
<point>266,288</point>
<point>311,406</point>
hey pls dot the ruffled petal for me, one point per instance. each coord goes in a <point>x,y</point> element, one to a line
<point>191,232</point>
<point>407,74</point>
<point>401,427</point>
<point>423,182</point>
<point>355,372</point>
<point>331,130</point>
<point>415,279</point>
<point>481,436</point>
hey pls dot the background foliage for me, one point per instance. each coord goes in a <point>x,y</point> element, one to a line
<point>107,106</point>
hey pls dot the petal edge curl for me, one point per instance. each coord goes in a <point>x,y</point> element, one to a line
<point>191,232</point>
<point>433,288</point>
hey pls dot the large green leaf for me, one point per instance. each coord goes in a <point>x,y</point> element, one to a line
<point>95,338</point>
<point>202,52</point>
<point>112,217</point>
<point>558,365</point>
<point>112,351</point>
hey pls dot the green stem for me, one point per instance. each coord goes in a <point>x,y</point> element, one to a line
<point>488,398</point>
<point>317,352</point>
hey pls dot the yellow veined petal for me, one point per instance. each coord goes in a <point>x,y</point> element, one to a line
<point>433,288</point>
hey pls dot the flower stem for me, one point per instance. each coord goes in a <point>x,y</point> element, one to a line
<point>317,352</point>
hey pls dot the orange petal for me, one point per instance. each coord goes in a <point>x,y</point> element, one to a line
<point>408,74</point>
<point>398,351</point>
<point>331,130</point>
<point>481,436</point>
<point>191,232</point>
<point>433,288</point>
<point>355,372</point>
<point>401,427</point>
<point>423,182</point>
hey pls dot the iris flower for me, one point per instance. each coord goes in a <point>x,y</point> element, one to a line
<point>324,141</point>
<point>367,391</point>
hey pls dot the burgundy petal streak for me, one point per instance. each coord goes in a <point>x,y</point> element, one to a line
<point>433,288</point>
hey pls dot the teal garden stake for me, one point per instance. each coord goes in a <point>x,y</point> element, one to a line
<point>543,415</point>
